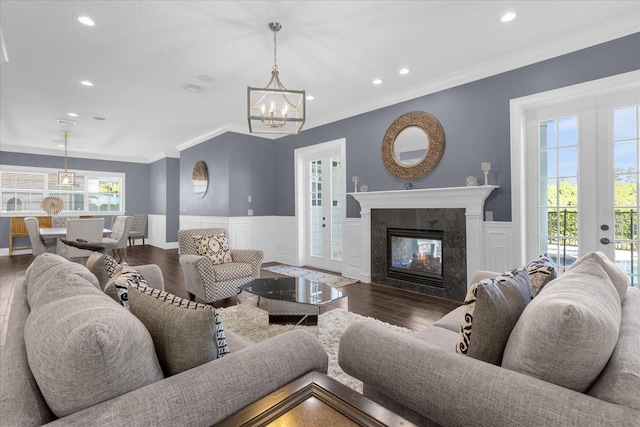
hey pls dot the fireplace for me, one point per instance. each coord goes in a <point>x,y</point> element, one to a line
<point>415,255</point>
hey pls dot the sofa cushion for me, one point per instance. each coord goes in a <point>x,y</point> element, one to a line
<point>85,349</point>
<point>567,333</point>
<point>451,320</point>
<point>103,266</point>
<point>61,279</point>
<point>186,334</point>
<point>541,271</point>
<point>491,309</point>
<point>44,266</point>
<point>617,275</point>
<point>619,383</point>
<point>215,247</point>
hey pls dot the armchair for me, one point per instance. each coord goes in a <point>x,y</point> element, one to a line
<point>212,282</point>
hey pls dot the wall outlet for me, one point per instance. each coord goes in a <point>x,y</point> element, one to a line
<point>250,212</point>
<point>249,199</point>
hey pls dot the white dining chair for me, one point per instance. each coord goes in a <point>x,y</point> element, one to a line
<point>117,241</point>
<point>38,244</point>
<point>90,230</point>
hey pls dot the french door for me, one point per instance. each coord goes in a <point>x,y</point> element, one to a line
<point>321,204</point>
<point>583,192</point>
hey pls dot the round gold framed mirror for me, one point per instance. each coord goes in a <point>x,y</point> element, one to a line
<point>413,145</point>
<point>200,178</point>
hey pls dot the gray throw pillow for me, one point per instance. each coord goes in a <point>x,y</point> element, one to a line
<point>185,334</point>
<point>85,349</point>
<point>491,309</point>
<point>617,275</point>
<point>567,333</point>
<point>103,266</point>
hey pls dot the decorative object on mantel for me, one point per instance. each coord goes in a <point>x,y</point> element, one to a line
<point>275,109</point>
<point>364,188</point>
<point>355,179</point>
<point>486,167</point>
<point>413,145</point>
<point>52,205</point>
<point>471,181</point>
<point>200,178</point>
<point>408,186</point>
<point>66,178</point>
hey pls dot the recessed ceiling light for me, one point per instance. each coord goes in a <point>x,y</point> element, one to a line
<point>72,115</point>
<point>310,97</point>
<point>509,16</point>
<point>404,71</point>
<point>377,82</point>
<point>86,83</point>
<point>86,21</point>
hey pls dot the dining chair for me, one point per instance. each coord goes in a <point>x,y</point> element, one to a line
<point>89,230</point>
<point>38,244</point>
<point>138,229</point>
<point>119,237</point>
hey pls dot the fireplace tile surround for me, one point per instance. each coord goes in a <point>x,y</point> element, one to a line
<point>436,207</point>
<point>454,252</point>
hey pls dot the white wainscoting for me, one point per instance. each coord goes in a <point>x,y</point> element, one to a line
<point>351,261</point>
<point>157,231</point>
<point>277,237</point>
<point>274,235</point>
<point>498,252</point>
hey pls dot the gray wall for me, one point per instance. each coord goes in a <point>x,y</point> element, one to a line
<point>475,119</point>
<point>164,176</point>
<point>474,116</point>
<point>137,176</point>
<point>239,166</point>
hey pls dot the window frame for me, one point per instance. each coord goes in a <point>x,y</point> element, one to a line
<point>79,173</point>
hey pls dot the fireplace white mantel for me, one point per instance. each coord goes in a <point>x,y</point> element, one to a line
<point>469,198</point>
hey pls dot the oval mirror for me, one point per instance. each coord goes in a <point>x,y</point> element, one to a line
<point>200,178</point>
<point>413,145</point>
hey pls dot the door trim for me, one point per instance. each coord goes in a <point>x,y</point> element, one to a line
<point>299,154</point>
<point>518,108</point>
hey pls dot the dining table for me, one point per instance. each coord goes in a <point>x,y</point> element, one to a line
<point>61,232</point>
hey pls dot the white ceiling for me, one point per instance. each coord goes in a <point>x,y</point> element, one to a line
<point>141,54</point>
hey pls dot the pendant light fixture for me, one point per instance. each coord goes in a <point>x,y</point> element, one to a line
<point>275,109</point>
<point>66,178</point>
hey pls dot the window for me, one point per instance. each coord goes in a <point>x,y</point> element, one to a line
<point>22,189</point>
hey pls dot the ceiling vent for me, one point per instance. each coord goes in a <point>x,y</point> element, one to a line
<point>67,122</point>
<point>190,87</point>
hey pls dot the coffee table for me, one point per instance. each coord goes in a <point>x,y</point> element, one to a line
<point>292,300</point>
<point>315,400</point>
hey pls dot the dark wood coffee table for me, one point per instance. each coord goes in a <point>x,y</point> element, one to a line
<point>314,400</point>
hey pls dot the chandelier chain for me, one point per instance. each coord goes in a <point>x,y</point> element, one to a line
<point>275,65</point>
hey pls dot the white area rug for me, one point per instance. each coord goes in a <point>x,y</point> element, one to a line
<point>251,323</point>
<point>329,279</point>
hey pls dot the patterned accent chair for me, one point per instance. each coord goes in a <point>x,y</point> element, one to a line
<point>212,282</point>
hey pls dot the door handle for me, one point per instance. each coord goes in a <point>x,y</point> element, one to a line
<point>605,241</point>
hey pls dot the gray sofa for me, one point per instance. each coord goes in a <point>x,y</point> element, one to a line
<point>38,380</point>
<point>581,374</point>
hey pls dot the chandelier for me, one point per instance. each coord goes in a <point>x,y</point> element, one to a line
<point>275,109</point>
<point>66,178</point>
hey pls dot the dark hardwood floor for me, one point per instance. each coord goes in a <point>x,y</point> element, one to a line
<point>396,306</point>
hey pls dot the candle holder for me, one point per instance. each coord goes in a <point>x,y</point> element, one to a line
<point>355,180</point>
<point>486,167</point>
